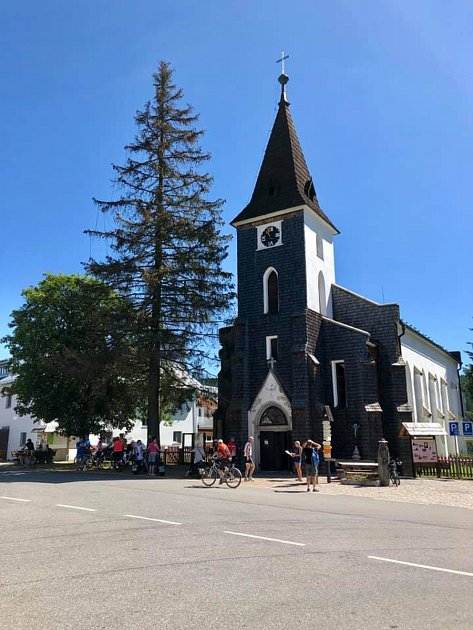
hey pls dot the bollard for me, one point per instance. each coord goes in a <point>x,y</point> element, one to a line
<point>383,461</point>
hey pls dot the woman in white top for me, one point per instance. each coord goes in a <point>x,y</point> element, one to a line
<point>249,463</point>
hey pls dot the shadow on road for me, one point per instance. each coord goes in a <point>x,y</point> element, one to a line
<point>16,474</point>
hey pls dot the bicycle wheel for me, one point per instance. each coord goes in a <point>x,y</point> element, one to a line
<point>209,476</point>
<point>87,463</point>
<point>105,464</point>
<point>394,479</point>
<point>233,478</point>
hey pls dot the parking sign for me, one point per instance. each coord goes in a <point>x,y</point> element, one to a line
<point>454,428</point>
<point>468,428</point>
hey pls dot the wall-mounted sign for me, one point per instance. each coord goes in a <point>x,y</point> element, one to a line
<point>424,451</point>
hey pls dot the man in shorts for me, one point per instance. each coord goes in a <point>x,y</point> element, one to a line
<point>310,456</point>
<point>249,463</point>
<point>223,455</point>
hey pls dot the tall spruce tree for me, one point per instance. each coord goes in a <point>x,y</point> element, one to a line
<point>166,242</point>
<point>467,383</point>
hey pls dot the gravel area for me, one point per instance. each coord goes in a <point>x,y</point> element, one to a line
<point>451,492</point>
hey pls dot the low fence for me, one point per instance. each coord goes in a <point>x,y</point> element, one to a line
<point>451,467</point>
<point>176,454</point>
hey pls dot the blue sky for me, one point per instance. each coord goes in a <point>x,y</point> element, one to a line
<point>381,94</point>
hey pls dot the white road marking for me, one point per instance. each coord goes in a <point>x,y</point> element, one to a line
<point>12,499</point>
<point>75,507</point>
<point>285,542</point>
<point>157,520</point>
<point>421,566</point>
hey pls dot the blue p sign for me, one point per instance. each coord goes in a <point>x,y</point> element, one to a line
<point>454,428</point>
<point>468,428</point>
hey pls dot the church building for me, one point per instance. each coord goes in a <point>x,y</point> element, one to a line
<point>306,357</point>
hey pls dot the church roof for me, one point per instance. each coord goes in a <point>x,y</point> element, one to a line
<point>284,180</point>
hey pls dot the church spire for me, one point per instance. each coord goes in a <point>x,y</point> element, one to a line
<point>284,180</point>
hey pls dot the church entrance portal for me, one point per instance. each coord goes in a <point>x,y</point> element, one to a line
<point>274,439</point>
<point>272,447</point>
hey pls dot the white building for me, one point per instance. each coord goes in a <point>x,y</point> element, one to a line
<point>193,422</point>
<point>433,387</point>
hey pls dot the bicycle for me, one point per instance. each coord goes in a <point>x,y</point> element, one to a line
<point>394,466</point>
<point>93,460</point>
<point>231,475</point>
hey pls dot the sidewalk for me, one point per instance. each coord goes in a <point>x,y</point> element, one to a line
<point>451,492</point>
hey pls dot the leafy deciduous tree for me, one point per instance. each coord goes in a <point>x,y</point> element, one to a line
<point>73,356</point>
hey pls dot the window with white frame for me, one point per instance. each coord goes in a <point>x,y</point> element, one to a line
<point>22,439</point>
<point>410,396</point>
<point>322,294</point>
<point>320,245</point>
<point>445,400</point>
<point>272,348</point>
<point>339,384</point>
<point>433,397</point>
<point>270,291</point>
<point>422,413</point>
<point>177,436</point>
<point>8,401</point>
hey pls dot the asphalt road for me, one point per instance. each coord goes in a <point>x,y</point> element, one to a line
<point>222,558</point>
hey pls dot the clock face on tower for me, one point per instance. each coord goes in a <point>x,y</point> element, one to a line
<point>270,236</point>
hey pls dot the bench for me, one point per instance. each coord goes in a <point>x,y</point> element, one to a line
<point>357,468</point>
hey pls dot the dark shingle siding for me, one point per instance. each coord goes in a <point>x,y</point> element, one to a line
<point>285,167</point>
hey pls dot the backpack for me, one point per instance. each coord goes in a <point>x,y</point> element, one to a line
<point>315,457</point>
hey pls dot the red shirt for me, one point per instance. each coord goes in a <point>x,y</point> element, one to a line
<point>117,447</point>
<point>222,450</point>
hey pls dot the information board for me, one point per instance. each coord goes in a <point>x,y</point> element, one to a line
<point>424,451</point>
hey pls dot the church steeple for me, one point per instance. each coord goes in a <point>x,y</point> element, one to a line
<point>284,180</point>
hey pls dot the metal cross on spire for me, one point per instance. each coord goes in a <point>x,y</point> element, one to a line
<point>283,78</point>
<point>281,61</point>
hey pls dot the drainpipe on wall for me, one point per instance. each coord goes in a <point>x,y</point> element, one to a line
<point>403,328</point>
<point>462,409</point>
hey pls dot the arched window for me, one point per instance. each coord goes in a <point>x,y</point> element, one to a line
<point>273,416</point>
<point>271,291</point>
<point>322,295</point>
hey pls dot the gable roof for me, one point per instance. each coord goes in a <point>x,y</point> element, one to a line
<point>284,180</point>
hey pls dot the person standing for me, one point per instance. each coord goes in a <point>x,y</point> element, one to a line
<point>117,450</point>
<point>197,460</point>
<point>310,454</point>
<point>30,459</point>
<point>249,463</point>
<point>153,451</point>
<point>297,458</point>
<point>139,456</point>
<point>233,449</point>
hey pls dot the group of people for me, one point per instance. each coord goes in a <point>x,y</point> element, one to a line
<point>307,453</point>
<point>225,455</point>
<point>145,458</point>
<point>41,454</point>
